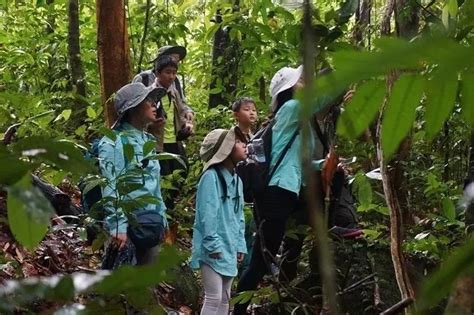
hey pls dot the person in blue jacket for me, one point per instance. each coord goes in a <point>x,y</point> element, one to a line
<point>219,226</point>
<point>136,108</point>
<point>280,198</point>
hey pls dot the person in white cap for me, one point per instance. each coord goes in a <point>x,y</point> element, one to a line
<point>280,198</point>
<point>219,226</point>
<point>136,109</point>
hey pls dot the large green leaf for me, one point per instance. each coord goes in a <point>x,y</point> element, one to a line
<point>12,169</point>
<point>441,93</point>
<point>128,278</point>
<point>28,213</point>
<point>61,154</point>
<point>361,109</point>
<point>400,112</point>
<point>467,97</point>
<point>438,285</point>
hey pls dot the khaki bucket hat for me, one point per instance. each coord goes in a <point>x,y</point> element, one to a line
<point>217,146</point>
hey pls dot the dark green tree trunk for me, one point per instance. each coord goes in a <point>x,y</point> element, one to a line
<point>74,50</point>
<point>225,64</point>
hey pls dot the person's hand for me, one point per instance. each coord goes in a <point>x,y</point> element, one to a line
<point>161,121</point>
<point>215,255</point>
<point>189,127</point>
<point>189,116</point>
<point>120,239</point>
<point>240,257</point>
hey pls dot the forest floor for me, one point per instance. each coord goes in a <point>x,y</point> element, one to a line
<point>64,250</point>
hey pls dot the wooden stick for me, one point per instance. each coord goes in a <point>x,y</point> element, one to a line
<point>397,308</point>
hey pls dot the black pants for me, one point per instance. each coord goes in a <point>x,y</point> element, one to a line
<point>272,213</point>
<point>169,166</point>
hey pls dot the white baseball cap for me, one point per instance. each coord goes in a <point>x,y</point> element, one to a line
<point>284,79</point>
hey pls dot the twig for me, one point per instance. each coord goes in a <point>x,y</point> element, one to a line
<point>7,138</point>
<point>396,308</point>
<point>357,284</point>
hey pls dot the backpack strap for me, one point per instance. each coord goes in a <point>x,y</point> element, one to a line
<point>221,181</point>
<point>282,155</point>
<point>321,137</point>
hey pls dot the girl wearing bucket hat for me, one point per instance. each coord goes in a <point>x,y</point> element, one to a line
<point>219,226</point>
<point>136,108</point>
<point>280,198</point>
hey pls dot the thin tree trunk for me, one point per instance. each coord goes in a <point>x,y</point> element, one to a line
<point>225,62</point>
<point>50,21</point>
<point>396,219</point>
<point>318,221</point>
<point>407,18</point>
<point>362,22</point>
<point>145,33</point>
<point>113,52</point>
<point>385,24</point>
<point>74,50</point>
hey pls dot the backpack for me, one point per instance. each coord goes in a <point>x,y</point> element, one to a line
<point>256,176</point>
<point>146,228</point>
<point>342,209</point>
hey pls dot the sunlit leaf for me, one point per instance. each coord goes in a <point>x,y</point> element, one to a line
<point>91,112</point>
<point>400,112</point>
<point>360,111</point>
<point>448,209</point>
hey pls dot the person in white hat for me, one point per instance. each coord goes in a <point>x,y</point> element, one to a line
<point>136,109</point>
<point>219,226</point>
<point>280,198</point>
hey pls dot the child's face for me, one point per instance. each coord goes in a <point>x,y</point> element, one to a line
<point>247,114</point>
<point>167,76</point>
<point>239,152</point>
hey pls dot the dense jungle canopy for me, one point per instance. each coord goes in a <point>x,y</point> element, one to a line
<point>402,79</point>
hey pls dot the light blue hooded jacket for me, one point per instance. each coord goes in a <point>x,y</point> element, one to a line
<point>112,165</point>
<point>219,225</point>
<point>288,175</point>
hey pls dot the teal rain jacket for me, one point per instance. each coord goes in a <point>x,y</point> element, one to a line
<point>113,165</point>
<point>219,225</point>
<point>289,173</point>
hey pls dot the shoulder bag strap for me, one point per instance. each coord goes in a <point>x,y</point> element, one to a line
<point>282,155</point>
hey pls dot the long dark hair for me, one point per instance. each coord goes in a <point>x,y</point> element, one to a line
<point>282,98</point>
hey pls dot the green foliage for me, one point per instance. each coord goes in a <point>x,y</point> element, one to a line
<point>29,213</point>
<point>360,111</point>
<point>400,112</point>
<point>459,262</point>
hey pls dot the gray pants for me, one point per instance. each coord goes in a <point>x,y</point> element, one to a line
<point>216,292</point>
